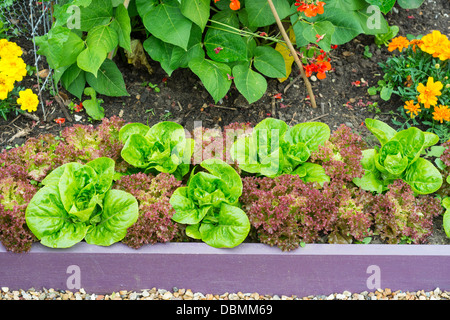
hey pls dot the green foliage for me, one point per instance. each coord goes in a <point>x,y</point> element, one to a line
<point>79,200</point>
<point>9,104</point>
<point>387,5</point>
<point>77,45</point>
<point>161,148</point>
<point>209,206</point>
<point>93,106</point>
<point>4,28</point>
<point>76,203</point>
<point>383,38</point>
<point>222,46</point>
<point>446,218</point>
<point>399,158</point>
<point>274,149</point>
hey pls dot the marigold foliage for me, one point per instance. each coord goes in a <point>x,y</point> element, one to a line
<point>420,76</point>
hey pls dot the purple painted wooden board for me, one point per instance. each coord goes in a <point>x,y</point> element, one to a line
<point>314,269</point>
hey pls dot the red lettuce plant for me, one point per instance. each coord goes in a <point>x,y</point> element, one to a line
<point>341,155</point>
<point>79,143</point>
<point>15,194</point>
<point>155,222</point>
<point>399,216</point>
<point>285,211</point>
<point>354,220</point>
<point>84,143</point>
<point>34,159</point>
<point>216,143</point>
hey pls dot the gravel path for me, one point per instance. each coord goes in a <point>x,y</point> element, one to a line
<point>187,294</point>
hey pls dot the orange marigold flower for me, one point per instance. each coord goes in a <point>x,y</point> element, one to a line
<point>441,113</point>
<point>415,43</point>
<point>430,92</point>
<point>399,43</point>
<point>411,108</point>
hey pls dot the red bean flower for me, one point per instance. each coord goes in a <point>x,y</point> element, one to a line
<point>60,121</point>
<point>310,8</point>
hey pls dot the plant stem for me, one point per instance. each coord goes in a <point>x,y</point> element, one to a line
<point>240,32</point>
<point>294,53</point>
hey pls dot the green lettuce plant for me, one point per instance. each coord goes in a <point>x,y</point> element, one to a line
<point>208,205</point>
<point>161,148</point>
<point>446,216</point>
<point>274,149</point>
<point>77,203</point>
<point>399,158</point>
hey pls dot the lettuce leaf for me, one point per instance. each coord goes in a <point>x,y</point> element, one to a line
<point>76,203</point>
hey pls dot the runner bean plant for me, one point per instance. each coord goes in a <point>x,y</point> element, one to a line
<point>223,42</point>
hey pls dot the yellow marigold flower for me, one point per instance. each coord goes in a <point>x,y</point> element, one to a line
<point>412,109</point>
<point>444,54</point>
<point>28,100</point>
<point>428,94</point>
<point>399,43</point>
<point>9,49</point>
<point>441,113</point>
<point>6,86</point>
<point>13,67</point>
<point>432,42</point>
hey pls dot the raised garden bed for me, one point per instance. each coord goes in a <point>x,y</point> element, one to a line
<point>314,269</point>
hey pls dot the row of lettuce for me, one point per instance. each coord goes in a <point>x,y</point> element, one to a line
<point>271,183</point>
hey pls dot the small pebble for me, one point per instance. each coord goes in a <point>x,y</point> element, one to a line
<point>187,294</point>
<point>167,295</point>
